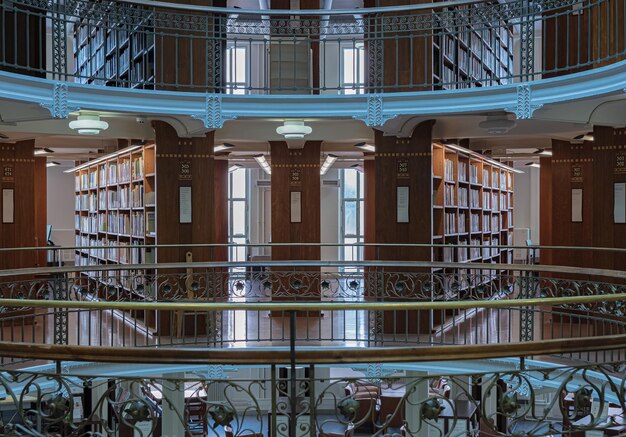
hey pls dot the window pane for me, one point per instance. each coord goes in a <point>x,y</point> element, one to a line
<point>240,65</point>
<point>362,219</point>
<point>348,66</point>
<point>350,218</point>
<point>239,217</point>
<point>350,253</point>
<point>349,184</point>
<point>239,253</point>
<point>239,183</point>
<point>361,66</point>
<point>361,185</point>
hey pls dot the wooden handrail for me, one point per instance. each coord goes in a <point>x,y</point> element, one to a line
<point>317,355</point>
<point>311,306</point>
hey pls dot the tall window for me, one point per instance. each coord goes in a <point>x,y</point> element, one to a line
<point>353,69</point>
<point>238,213</point>
<point>352,214</point>
<point>237,77</point>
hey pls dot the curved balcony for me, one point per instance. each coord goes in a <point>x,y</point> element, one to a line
<point>432,59</point>
<point>315,348</point>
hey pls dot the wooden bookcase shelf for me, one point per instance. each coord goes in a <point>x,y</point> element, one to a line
<point>472,207</point>
<point>115,54</point>
<point>111,195</point>
<point>467,57</point>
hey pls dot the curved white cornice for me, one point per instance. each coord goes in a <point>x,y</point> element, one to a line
<point>213,110</point>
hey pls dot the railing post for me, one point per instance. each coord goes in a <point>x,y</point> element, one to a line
<point>527,41</point>
<point>59,39</point>
<point>293,400</point>
<point>60,317</point>
<point>527,329</point>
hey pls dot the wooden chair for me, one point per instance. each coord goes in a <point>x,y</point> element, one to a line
<point>391,413</point>
<point>196,414</point>
<point>230,433</point>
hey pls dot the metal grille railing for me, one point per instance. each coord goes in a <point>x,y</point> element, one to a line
<point>448,45</point>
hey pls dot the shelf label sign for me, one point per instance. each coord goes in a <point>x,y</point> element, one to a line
<point>620,162</point>
<point>295,177</point>
<point>7,173</point>
<point>403,168</point>
<point>184,170</point>
<point>577,173</point>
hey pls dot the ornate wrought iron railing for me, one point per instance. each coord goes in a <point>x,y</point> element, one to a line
<point>298,324</point>
<point>447,45</point>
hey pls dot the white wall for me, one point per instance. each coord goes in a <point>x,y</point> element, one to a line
<point>329,216</point>
<point>60,207</point>
<point>526,202</point>
<point>260,213</point>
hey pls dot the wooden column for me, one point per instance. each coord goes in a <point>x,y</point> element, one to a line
<point>296,171</point>
<point>26,176</point>
<point>401,162</point>
<point>183,163</point>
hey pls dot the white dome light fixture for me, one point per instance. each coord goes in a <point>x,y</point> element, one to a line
<point>88,124</point>
<point>497,124</point>
<point>293,129</point>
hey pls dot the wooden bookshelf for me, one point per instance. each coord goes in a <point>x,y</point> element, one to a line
<point>472,207</point>
<point>466,56</point>
<point>114,197</point>
<point>456,197</point>
<point>115,54</point>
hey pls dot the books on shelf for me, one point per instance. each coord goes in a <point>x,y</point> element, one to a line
<point>473,173</point>
<point>124,171</point>
<point>462,171</point>
<point>462,251</point>
<point>150,222</point>
<point>137,196</point>
<point>449,195</point>
<point>487,223</point>
<point>462,222</point>
<point>448,170</point>
<point>486,178</point>
<point>450,223</point>
<point>474,222</point>
<point>462,193</point>
<point>137,168</point>
<point>474,198</point>
<point>486,200</point>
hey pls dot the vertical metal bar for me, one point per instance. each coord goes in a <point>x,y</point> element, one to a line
<point>59,42</point>
<point>527,41</point>
<point>292,377</point>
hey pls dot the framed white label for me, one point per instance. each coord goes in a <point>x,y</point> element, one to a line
<point>619,202</point>
<point>185,204</point>
<point>577,205</point>
<point>296,207</point>
<point>8,205</point>
<point>402,211</point>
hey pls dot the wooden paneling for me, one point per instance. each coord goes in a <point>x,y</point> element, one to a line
<point>28,181</point>
<point>369,169</point>
<point>583,36</point>
<point>41,208</point>
<point>545,208</point>
<point>417,152</point>
<point>306,161</point>
<point>598,163</point>
<point>23,40</point>
<point>198,152</point>
<point>186,59</point>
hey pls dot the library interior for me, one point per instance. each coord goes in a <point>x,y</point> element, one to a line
<point>313,218</point>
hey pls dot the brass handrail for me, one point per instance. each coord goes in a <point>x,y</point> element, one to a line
<point>312,306</point>
<point>309,355</point>
<point>617,274</point>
